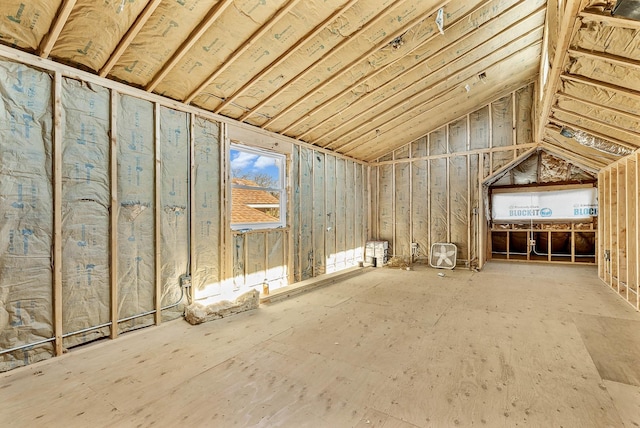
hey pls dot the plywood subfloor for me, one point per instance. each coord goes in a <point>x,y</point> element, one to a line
<point>512,345</point>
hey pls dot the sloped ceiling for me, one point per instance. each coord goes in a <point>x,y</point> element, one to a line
<point>361,77</point>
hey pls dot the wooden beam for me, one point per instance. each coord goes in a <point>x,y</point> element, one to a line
<point>451,28</point>
<point>344,42</point>
<point>598,106</point>
<point>129,36</point>
<point>398,132</point>
<point>58,139</point>
<point>609,20</point>
<point>113,215</point>
<point>293,49</point>
<point>568,25</point>
<point>636,190</point>
<point>192,207</point>
<point>446,84</point>
<point>241,49</point>
<point>584,162</point>
<point>157,204</point>
<point>602,85</point>
<point>577,117</point>
<point>506,168</point>
<point>49,40</point>
<point>337,74</point>
<point>600,247</point>
<point>617,60</point>
<point>196,34</point>
<point>467,63</point>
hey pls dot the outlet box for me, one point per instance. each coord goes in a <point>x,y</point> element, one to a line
<point>532,242</point>
<point>185,281</point>
<point>414,245</point>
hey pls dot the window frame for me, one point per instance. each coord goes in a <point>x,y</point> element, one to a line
<point>281,159</point>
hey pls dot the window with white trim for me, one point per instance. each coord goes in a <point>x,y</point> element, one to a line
<point>258,188</point>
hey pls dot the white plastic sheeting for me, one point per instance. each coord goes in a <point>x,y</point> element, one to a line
<point>26,207</point>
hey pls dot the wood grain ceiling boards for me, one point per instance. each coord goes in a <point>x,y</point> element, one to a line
<point>360,77</point>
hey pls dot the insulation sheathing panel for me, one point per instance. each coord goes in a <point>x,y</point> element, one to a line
<point>459,204</point>
<point>276,261</point>
<point>330,203</point>
<point>26,210</point>
<point>341,215</point>
<point>319,214</point>
<point>169,25</point>
<point>385,205</point>
<point>438,202</point>
<point>420,205</point>
<point>136,213</point>
<point>83,42</point>
<point>28,22</point>
<point>401,153</point>
<point>295,211</point>
<point>361,198</point>
<point>307,197</point>
<point>85,210</point>
<point>402,197</point>
<point>206,214</point>
<point>174,201</point>
<point>351,190</point>
<point>502,130</point>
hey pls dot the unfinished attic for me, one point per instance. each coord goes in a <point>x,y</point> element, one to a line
<point>419,213</point>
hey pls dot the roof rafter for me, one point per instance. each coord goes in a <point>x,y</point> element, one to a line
<point>397,132</point>
<point>50,39</point>
<point>632,135</point>
<point>601,85</point>
<point>364,79</point>
<point>317,30</point>
<point>195,35</point>
<point>129,36</point>
<point>606,138</point>
<point>470,66</point>
<point>304,72</point>
<point>610,20</point>
<point>337,74</point>
<point>497,36</point>
<point>242,49</point>
<point>597,105</point>
<point>568,26</point>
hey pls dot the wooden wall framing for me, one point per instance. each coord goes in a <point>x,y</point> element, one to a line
<point>447,170</point>
<point>619,230</point>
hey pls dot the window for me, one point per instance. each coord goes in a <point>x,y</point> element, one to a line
<point>258,191</point>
